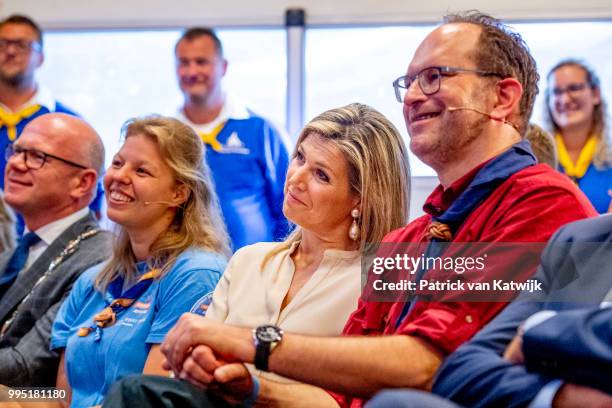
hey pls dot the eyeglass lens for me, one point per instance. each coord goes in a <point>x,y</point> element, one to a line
<point>20,45</point>
<point>570,89</point>
<point>428,80</point>
<point>33,158</point>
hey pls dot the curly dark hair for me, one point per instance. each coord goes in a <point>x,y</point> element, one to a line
<point>503,51</point>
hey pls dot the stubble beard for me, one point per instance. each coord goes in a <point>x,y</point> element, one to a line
<point>198,99</point>
<point>458,131</point>
<point>16,80</point>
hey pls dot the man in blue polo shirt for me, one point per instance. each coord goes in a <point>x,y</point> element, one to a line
<point>22,99</point>
<point>245,152</point>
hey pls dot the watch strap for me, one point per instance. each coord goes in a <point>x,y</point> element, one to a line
<point>262,355</point>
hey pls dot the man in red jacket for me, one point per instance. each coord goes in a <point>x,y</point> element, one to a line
<point>467,98</point>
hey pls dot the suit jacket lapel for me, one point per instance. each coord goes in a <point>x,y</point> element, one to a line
<point>608,297</point>
<point>26,279</point>
<point>4,260</point>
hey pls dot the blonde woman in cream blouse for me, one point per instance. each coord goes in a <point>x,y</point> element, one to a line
<point>347,186</point>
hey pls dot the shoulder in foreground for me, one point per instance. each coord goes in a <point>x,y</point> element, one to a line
<point>596,229</point>
<point>410,232</point>
<point>259,247</point>
<point>257,251</point>
<point>542,179</point>
<point>198,258</point>
<point>543,175</point>
<point>89,276</point>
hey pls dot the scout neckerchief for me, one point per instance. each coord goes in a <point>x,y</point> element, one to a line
<point>118,302</point>
<point>12,119</point>
<point>210,138</point>
<point>493,174</point>
<point>577,170</point>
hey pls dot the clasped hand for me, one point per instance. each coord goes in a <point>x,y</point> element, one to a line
<point>210,354</point>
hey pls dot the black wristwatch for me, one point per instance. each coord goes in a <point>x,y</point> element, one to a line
<point>265,338</point>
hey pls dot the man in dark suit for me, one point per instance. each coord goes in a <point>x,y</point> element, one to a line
<point>574,345</point>
<point>50,179</point>
<point>562,353</point>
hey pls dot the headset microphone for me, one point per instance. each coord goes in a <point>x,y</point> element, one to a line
<point>506,121</point>
<point>453,109</point>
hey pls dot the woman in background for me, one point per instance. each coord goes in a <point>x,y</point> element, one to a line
<point>170,249</point>
<point>576,113</point>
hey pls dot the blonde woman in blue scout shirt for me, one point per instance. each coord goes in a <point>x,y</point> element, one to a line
<point>576,112</point>
<point>170,249</point>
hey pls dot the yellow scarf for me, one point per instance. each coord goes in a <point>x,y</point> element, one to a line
<point>11,120</point>
<point>211,138</point>
<point>576,170</point>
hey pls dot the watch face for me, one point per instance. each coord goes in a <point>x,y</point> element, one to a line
<point>269,334</point>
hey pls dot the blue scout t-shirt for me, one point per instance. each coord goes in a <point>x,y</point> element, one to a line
<point>595,184</point>
<point>248,165</point>
<point>92,365</point>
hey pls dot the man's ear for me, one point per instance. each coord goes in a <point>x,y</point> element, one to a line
<point>41,59</point>
<point>86,183</point>
<point>224,62</point>
<point>181,194</point>
<point>508,98</point>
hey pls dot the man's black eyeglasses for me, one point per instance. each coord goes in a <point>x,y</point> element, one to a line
<point>429,79</point>
<point>35,159</point>
<point>571,89</point>
<point>21,46</point>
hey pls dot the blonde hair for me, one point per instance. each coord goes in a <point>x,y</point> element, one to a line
<point>197,222</point>
<point>542,144</point>
<point>379,172</point>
